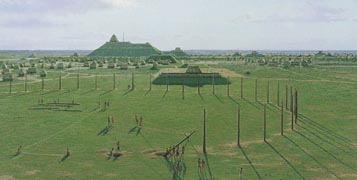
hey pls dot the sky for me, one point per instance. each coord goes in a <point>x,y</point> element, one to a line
<point>189,24</point>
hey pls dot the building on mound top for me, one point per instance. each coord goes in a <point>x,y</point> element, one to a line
<point>115,48</point>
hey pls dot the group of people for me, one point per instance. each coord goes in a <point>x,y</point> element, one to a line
<point>106,105</point>
<point>201,165</point>
<point>115,152</point>
<point>175,151</point>
<point>139,122</point>
<point>175,155</point>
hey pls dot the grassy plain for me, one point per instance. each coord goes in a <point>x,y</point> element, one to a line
<point>323,145</point>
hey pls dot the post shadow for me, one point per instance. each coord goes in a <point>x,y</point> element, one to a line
<point>322,127</point>
<point>104,131</point>
<point>219,99</point>
<point>326,151</point>
<point>208,167</point>
<point>328,142</point>
<point>286,160</point>
<point>250,163</point>
<point>106,92</point>
<point>312,157</point>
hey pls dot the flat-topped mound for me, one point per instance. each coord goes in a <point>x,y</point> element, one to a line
<point>114,48</point>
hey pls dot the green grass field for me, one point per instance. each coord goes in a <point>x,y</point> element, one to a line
<point>323,145</point>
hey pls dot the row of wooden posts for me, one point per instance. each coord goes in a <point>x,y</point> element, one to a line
<point>60,86</point>
<point>294,117</point>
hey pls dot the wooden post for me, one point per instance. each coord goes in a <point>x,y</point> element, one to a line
<point>77,80</point>
<point>241,87</point>
<point>26,83</point>
<point>60,82</point>
<point>282,119</point>
<point>228,87</point>
<point>43,83</point>
<point>114,85</point>
<point>296,106</point>
<point>268,92</point>
<point>292,111</point>
<point>96,81</point>
<point>291,99</point>
<point>204,132</point>
<point>213,83</point>
<point>183,89</point>
<point>256,90</point>
<point>265,123</point>
<point>238,126</point>
<point>278,95</point>
<point>167,85</point>
<point>150,82</point>
<point>10,87</point>
<point>198,86</point>
<point>286,97</point>
<point>132,81</point>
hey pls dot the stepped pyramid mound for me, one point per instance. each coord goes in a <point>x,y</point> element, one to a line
<point>114,48</point>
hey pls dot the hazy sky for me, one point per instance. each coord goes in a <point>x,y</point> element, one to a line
<point>190,24</point>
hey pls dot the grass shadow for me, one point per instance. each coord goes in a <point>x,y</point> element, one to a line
<point>326,141</point>
<point>219,99</point>
<point>309,155</point>
<point>235,101</point>
<point>208,167</point>
<point>147,92</point>
<point>252,104</point>
<point>251,164</point>
<point>106,92</point>
<point>286,160</point>
<point>88,92</point>
<point>323,128</point>
<point>326,151</point>
<point>64,158</point>
<point>163,96</point>
<point>128,91</point>
<point>104,131</point>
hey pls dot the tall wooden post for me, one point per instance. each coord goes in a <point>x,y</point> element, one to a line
<point>268,93</point>
<point>60,83</point>
<point>286,97</point>
<point>10,87</point>
<point>241,87</point>
<point>282,119</point>
<point>132,81</point>
<point>213,83</point>
<point>96,81</point>
<point>198,86</point>
<point>265,123</point>
<point>150,82</point>
<point>77,80</point>
<point>204,132</point>
<point>114,85</point>
<point>167,85</point>
<point>238,126</point>
<point>292,111</point>
<point>43,83</point>
<point>291,99</point>
<point>26,83</point>
<point>256,90</point>
<point>296,106</point>
<point>183,89</point>
<point>228,87</point>
<point>278,95</point>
